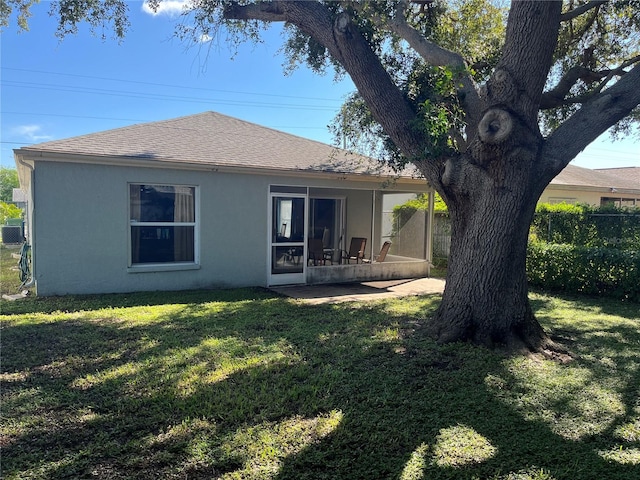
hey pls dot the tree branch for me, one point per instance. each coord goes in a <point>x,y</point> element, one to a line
<point>557,96</point>
<point>264,11</point>
<point>438,56</point>
<point>346,45</point>
<point>618,71</point>
<point>576,12</point>
<point>591,121</point>
<point>531,38</point>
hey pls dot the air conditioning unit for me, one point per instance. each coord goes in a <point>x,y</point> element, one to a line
<point>11,234</point>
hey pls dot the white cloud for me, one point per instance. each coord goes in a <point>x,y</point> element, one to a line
<point>204,38</point>
<point>170,8</point>
<point>31,132</point>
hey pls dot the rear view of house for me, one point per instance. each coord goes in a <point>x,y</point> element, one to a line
<point>207,201</point>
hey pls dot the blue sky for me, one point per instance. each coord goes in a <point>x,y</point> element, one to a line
<point>53,89</point>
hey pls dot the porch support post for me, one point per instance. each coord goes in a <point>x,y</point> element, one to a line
<point>373,222</point>
<point>429,232</point>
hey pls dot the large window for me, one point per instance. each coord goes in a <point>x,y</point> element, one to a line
<point>619,202</point>
<point>162,223</point>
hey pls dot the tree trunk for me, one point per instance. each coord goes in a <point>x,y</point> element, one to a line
<point>491,191</point>
<point>485,299</point>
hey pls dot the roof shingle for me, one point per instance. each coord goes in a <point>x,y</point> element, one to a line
<point>213,139</point>
<point>210,138</point>
<point>604,178</point>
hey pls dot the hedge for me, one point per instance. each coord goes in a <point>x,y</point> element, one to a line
<point>586,225</point>
<point>7,211</point>
<point>590,270</point>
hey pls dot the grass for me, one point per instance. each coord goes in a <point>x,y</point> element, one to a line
<point>243,384</point>
<point>9,279</point>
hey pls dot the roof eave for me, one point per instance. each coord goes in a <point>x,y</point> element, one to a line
<point>34,155</point>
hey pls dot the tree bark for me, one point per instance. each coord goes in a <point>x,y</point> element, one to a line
<point>486,295</point>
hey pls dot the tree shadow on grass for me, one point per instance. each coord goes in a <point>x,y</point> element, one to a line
<point>448,397</point>
<point>267,388</point>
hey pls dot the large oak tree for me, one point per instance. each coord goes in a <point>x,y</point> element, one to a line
<point>489,107</point>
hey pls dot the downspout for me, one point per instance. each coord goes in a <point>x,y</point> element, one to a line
<point>30,219</point>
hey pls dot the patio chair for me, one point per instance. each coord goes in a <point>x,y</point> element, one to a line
<point>356,250</point>
<point>316,252</point>
<point>292,255</point>
<point>382,255</point>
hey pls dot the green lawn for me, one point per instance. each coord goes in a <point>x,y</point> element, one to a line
<point>9,278</point>
<point>244,384</point>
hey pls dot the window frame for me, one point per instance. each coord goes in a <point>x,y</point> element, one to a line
<point>164,266</point>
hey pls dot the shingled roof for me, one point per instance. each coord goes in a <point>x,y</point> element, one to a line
<point>599,178</point>
<point>631,174</point>
<point>216,140</point>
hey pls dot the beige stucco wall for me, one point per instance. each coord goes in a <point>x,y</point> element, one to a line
<point>557,193</point>
<point>81,234</point>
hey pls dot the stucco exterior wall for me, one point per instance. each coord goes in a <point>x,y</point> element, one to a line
<point>82,230</point>
<point>81,226</point>
<point>568,194</point>
<point>359,214</point>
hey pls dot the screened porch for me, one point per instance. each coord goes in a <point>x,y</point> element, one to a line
<point>313,232</point>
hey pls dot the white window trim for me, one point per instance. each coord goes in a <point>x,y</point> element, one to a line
<point>170,266</point>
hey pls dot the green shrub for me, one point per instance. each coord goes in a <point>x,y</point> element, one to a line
<point>402,213</point>
<point>7,211</point>
<point>8,181</point>
<point>590,270</point>
<point>587,225</point>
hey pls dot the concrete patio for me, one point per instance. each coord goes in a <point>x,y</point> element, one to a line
<point>365,291</point>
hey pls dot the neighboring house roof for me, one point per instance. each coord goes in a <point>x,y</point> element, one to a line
<point>574,176</point>
<point>628,173</point>
<point>211,139</point>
